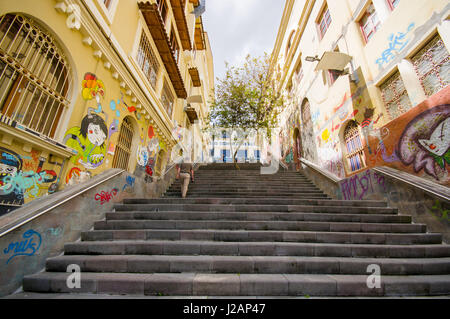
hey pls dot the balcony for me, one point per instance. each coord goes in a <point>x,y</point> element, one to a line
<point>191,112</point>
<point>158,31</point>
<point>195,76</point>
<point>180,20</point>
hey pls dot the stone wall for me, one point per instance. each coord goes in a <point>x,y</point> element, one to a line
<point>24,250</point>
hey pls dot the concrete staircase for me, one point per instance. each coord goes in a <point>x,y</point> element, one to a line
<point>240,233</point>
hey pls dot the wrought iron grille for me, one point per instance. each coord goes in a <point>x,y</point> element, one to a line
<point>34,76</point>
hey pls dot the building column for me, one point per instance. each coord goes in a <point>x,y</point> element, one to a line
<point>412,83</point>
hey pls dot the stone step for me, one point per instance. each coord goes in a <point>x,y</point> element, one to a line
<point>276,236</point>
<point>249,189</point>
<point>197,194</point>
<point>200,284</point>
<point>261,201</point>
<point>248,264</point>
<point>235,216</point>
<point>254,208</point>
<point>255,236</point>
<point>297,187</point>
<point>186,247</point>
<point>261,225</point>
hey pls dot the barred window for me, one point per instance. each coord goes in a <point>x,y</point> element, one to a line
<point>147,60</point>
<point>167,98</point>
<point>395,96</point>
<point>124,143</point>
<point>159,161</point>
<point>433,66</point>
<point>355,150</point>
<point>34,75</point>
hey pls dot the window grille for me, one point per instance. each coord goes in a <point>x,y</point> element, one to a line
<point>395,96</point>
<point>147,60</point>
<point>355,150</point>
<point>159,162</point>
<point>162,7</point>
<point>123,147</point>
<point>167,98</point>
<point>34,75</point>
<point>433,66</point>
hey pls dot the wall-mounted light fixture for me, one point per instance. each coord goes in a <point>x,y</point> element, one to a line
<point>312,58</point>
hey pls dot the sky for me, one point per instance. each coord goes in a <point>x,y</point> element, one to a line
<point>240,27</point>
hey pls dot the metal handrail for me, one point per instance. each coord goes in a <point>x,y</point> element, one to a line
<point>416,185</point>
<point>59,203</point>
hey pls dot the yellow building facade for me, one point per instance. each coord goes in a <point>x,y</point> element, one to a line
<point>367,82</point>
<point>91,85</point>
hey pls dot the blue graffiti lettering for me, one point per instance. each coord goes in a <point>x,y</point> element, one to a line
<point>26,247</point>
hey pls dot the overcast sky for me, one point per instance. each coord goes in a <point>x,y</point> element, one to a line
<point>240,27</point>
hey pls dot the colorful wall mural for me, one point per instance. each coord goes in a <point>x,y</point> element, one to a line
<point>95,140</point>
<point>417,142</point>
<point>25,176</point>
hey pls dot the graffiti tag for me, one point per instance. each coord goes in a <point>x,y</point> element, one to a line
<point>26,247</point>
<point>105,197</point>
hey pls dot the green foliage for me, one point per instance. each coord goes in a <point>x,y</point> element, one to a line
<point>245,99</point>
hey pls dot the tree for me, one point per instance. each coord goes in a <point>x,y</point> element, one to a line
<point>246,101</point>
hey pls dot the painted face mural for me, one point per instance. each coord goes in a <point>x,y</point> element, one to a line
<point>439,142</point>
<point>425,141</point>
<point>95,134</point>
<point>89,141</point>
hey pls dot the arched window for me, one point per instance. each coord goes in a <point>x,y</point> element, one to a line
<point>289,42</point>
<point>355,150</point>
<point>124,144</point>
<point>34,75</point>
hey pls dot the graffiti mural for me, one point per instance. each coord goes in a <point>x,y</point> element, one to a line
<point>89,141</point>
<point>425,142</point>
<point>20,183</point>
<point>91,87</point>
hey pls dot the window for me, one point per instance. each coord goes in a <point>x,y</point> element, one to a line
<point>107,3</point>
<point>395,96</point>
<point>174,44</point>
<point>355,150</point>
<point>432,65</point>
<point>147,61</point>
<point>324,21</point>
<point>159,161</point>
<point>289,42</point>
<point>369,23</point>
<point>333,75</point>
<point>393,3</point>
<point>34,75</point>
<point>167,98</point>
<point>123,146</point>
<point>162,7</point>
<point>298,73</point>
